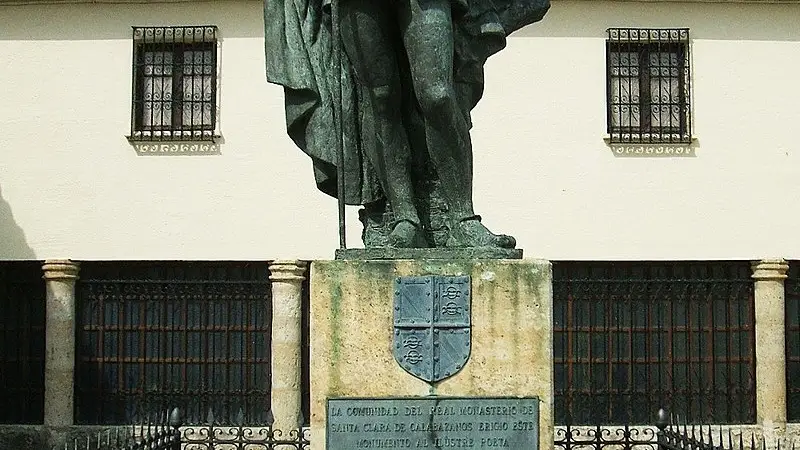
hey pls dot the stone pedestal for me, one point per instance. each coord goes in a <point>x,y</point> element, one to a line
<point>286,399</point>
<point>352,335</point>
<point>769,276</point>
<point>59,365</point>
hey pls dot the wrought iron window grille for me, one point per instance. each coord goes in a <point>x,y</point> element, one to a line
<point>648,86</point>
<point>174,92</point>
<point>155,335</point>
<point>792,291</point>
<point>630,337</point>
<point>22,342</point>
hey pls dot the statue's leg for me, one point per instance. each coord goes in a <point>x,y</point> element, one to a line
<point>427,29</point>
<point>428,38</point>
<point>369,31</point>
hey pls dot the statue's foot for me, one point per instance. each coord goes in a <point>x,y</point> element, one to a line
<point>405,234</point>
<point>470,232</point>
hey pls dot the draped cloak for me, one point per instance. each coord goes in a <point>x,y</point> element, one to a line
<point>299,48</point>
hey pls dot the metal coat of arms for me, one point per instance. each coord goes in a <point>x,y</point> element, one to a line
<point>432,325</point>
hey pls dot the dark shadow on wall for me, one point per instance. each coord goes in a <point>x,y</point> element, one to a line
<point>13,244</point>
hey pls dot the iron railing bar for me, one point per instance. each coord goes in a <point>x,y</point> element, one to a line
<point>752,351</point>
<point>611,354</point>
<point>140,333</point>
<point>161,102</point>
<point>609,93</point>
<point>205,318</point>
<point>590,341</point>
<point>191,102</point>
<point>178,102</point>
<point>570,337</point>
<point>729,347</point>
<point>631,310</point>
<point>101,350</point>
<point>713,346</point>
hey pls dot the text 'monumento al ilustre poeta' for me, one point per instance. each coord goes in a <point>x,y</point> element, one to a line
<point>433,422</point>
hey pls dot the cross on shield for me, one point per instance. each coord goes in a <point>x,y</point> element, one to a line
<point>432,325</point>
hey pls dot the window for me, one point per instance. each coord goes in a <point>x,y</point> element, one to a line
<point>22,347</point>
<point>792,289</point>
<point>632,337</point>
<point>152,336</point>
<point>174,83</point>
<point>648,85</point>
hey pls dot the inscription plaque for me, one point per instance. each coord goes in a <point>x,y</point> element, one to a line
<point>433,423</point>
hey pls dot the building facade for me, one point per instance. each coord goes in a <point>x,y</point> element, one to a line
<point>610,133</point>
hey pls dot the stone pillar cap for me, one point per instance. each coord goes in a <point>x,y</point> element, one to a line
<point>60,269</point>
<point>769,269</point>
<point>287,270</point>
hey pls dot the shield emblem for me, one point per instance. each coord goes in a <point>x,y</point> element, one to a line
<point>432,325</point>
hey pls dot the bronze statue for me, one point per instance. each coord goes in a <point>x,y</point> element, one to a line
<point>412,72</point>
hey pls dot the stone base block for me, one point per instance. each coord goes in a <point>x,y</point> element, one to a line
<point>352,335</point>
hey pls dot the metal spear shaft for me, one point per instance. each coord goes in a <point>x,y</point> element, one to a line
<point>337,117</point>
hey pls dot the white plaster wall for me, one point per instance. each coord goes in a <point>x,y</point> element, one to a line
<point>72,186</point>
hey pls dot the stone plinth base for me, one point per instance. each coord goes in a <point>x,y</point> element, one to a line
<point>352,333</point>
<point>449,254</point>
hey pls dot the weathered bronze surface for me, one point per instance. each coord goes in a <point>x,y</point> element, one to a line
<point>432,325</point>
<point>412,71</point>
<point>433,422</point>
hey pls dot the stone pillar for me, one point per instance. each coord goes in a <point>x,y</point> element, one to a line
<point>286,398</point>
<point>769,275</point>
<point>59,365</point>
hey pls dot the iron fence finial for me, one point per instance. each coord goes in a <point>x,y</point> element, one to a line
<point>662,419</point>
<point>175,418</point>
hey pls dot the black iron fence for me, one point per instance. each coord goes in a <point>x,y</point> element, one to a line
<point>22,321</point>
<point>154,335</point>
<point>669,433</point>
<point>158,433</point>
<point>599,437</point>
<point>220,437</point>
<point>165,432</point>
<point>674,435</point>
<point>630,337</point>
